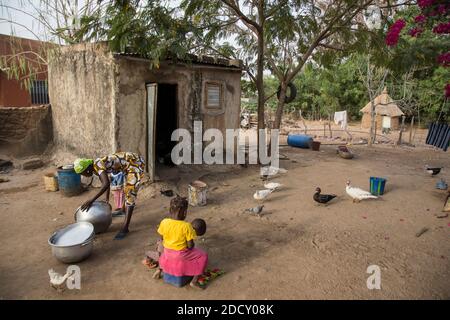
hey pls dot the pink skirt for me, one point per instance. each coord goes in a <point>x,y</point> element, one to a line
<point>119,198</point>
<point>187,262</point>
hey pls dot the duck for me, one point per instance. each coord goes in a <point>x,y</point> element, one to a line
<point>433,171</point>
<point>323,198</point>
<point>272,185</point>
<point>262,194</point>
<point>358,194</point>
<point>268,171</point>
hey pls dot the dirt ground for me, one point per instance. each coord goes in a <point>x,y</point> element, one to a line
<point>297,250</point>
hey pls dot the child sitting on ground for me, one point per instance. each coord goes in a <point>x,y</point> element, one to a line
<point>180,257</point>
<point>152,257</point>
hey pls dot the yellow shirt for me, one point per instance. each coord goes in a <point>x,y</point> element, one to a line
<point>176,233</point>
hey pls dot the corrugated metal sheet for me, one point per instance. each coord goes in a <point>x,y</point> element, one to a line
<point>439,135</point>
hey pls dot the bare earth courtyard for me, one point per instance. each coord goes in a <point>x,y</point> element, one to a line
<point>297,250</point>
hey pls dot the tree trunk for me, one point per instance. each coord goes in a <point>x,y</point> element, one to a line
<point>280,106</point>
<point>260,76</point>
<point>372,121</point>
<point>303,121</point>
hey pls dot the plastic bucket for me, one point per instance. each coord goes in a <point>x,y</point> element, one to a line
<point>377,186</point>
<point>300,141</point>
<point>69,182</point>
<point>50,182</point>
<point>315,145</point>
<point>197,193</point>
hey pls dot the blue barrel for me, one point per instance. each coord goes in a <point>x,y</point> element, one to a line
<point>69,182</point>
<point>300,141</point>
<point>377,186</point>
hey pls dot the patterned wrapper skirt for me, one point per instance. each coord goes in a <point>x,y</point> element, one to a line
<point>187,262</point>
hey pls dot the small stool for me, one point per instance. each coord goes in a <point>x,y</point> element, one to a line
<point>176,281</point>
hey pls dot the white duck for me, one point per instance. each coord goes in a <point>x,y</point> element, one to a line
<point>272,185</point>
<point>358,194</point>
<point>262,194</point>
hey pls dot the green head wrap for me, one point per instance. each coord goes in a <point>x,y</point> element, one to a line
<point>82,164</point>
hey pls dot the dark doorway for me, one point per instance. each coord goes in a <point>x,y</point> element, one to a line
<point>166,122</point>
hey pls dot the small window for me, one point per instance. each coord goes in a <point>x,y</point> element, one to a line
<point>213,95</point>
<point>39,92</point>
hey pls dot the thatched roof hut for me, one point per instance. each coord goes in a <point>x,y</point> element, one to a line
<point>387,112</point>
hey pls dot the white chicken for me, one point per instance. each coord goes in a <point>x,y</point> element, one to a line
<point>272,185</point>
<point>262,194</point>
<point>57,281</point>
<point>358,194</point>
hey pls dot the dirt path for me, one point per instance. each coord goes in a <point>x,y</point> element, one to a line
<point>298,250</point>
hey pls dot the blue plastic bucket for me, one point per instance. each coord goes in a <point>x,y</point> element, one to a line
<point>69,182</point>
<point>377,186</point>
<point>300,141</point>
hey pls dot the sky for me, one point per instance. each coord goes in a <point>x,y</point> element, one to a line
<point>24,26</point>
<point>18,17</point>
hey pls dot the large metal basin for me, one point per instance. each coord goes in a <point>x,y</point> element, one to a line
<point>73,243</point>
<point>99,214</point>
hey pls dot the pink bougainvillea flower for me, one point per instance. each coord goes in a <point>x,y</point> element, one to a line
<point>442,9</point>
<point>415,32</point>
<point>425,3</point>
<point>394,32</point>
<point>442,28</point>
<point>420,18</point>
<point>444,59</point>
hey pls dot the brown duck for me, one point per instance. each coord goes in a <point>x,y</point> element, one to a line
<point>322,198</point>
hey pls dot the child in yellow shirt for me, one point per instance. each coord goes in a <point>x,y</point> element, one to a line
<point>180,257</point>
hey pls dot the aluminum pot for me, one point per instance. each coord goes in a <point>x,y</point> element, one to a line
<point>73,243</point>
<point>99,214</point>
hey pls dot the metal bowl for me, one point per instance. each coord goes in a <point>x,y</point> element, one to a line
<point>73,243</point>
<point>99,214</point>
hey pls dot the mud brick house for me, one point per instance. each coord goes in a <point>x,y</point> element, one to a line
<point>387,113</point>
<point>25,117</point>
<point>104,102</point>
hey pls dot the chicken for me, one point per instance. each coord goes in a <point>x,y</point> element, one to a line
<point>433,171</point>
<point>272,185</point>
<point>262,194</point>
<point>322,198</point>
<point>57,281</point>
<point>358,194</point>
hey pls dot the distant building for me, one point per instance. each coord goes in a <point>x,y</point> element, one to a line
<point>387,113</point>
<point>25,117</point>
<point>12,92</point>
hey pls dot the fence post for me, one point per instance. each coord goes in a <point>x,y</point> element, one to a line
<point>411,129</point>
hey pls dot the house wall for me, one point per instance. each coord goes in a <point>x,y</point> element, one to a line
<point>25,130</point>
<point>12,92</point>
<point>365,122</point>
<point>82,90</point>
<point>99,100</point>
<point>131,106</point>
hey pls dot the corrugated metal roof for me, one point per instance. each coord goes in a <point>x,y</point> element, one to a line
<point>208,60</point>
